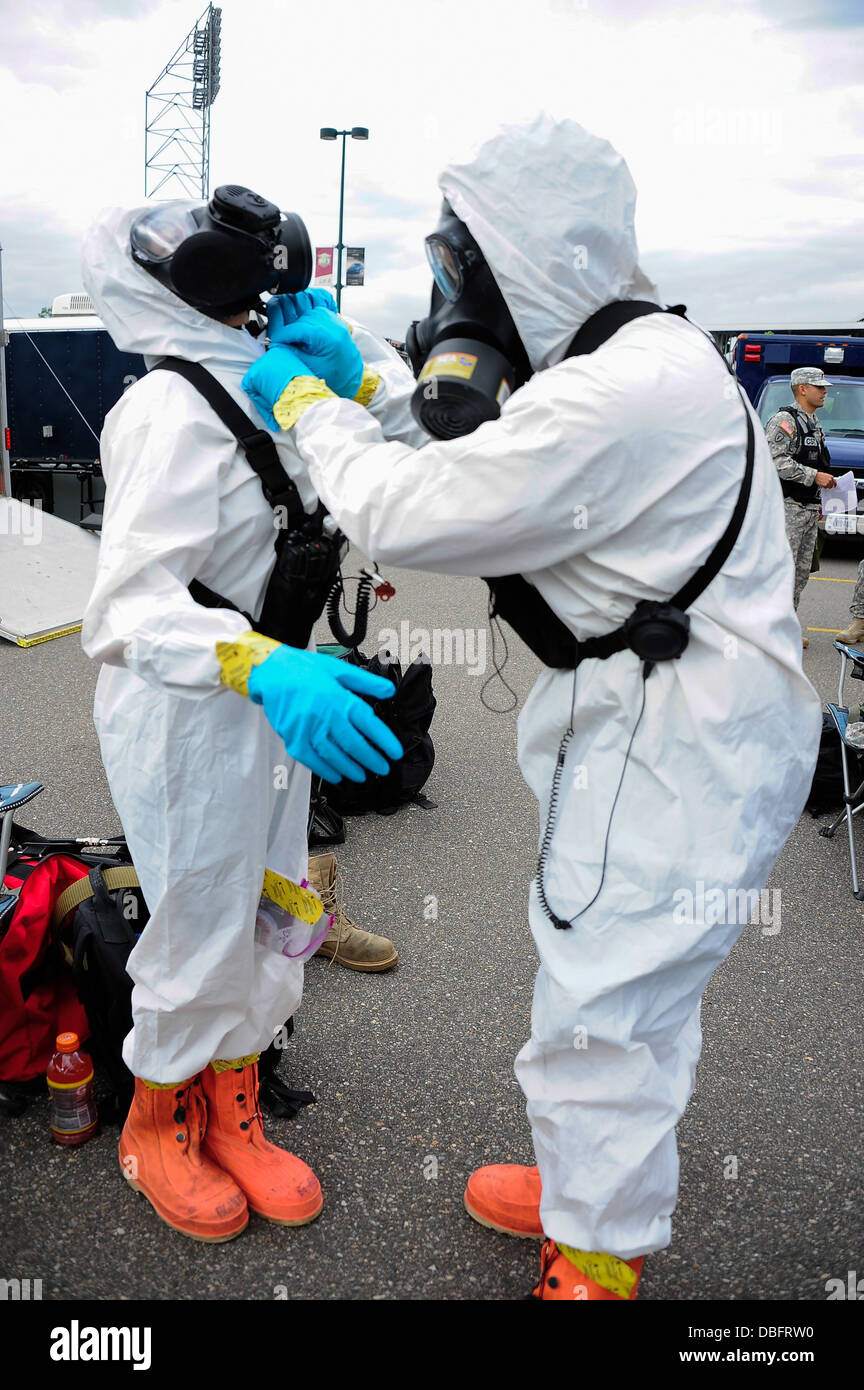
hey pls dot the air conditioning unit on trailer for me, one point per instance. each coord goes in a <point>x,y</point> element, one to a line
<point>67,304</point>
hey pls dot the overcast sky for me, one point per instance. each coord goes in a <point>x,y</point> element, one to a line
<point>742,124</point>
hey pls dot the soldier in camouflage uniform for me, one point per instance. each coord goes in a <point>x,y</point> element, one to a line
<point>801,458</point>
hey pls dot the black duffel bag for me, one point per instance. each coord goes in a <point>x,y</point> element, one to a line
<point>409,714</point>
<point>102,917</point>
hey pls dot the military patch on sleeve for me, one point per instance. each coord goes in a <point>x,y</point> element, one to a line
<point>784,425</point>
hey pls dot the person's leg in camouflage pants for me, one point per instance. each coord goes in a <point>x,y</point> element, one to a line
<point>856,607</point>
<point>801,528</point>
<point>855,631</point>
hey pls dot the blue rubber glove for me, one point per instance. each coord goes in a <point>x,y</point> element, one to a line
<point>267,378</point>
<point>287,308</point>
<point>324,342</point>
<point>309,701</point>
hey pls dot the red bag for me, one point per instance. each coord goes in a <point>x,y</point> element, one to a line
<point>37,992</point>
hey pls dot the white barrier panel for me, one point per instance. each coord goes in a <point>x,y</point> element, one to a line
<point>47,572</point>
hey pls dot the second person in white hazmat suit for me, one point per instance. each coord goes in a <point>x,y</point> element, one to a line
<point>201,778</point>
<point>607,479</point>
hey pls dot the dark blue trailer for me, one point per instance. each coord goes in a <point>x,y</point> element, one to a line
<point>63,376</point>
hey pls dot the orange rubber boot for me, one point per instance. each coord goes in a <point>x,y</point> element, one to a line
<point>160,1154</point>
<point>277,1185</point>
<point>561,1279</point>
<point>506,1198</point>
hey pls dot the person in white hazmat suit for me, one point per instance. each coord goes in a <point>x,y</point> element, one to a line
<point>606,479</point>
<point>198,772</point>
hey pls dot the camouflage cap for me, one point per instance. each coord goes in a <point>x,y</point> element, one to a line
<point>808,376</point>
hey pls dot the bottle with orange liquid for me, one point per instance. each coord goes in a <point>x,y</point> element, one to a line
<point>70,1086</point>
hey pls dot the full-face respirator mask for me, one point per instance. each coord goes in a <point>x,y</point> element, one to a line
<point>466,354</point>
<point>220,257</point>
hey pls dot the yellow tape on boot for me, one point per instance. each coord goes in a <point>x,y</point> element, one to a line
<point>606,1270</point>
<point>220,1064</point>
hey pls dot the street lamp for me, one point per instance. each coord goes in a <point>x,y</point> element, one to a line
<point>328,132</point>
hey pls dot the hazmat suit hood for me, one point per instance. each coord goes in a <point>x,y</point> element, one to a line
<point>143,316</point>
<point>552,209</point>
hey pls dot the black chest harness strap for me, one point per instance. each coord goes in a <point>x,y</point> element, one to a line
<point>655,631</point>
<point>258,445</point>
<point>307,570</point>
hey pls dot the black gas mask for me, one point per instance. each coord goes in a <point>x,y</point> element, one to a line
<point>467,355</point>
<point>220,258</point>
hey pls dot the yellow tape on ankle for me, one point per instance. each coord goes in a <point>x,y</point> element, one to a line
<point>606,1270</point>
<point>220,1064</point>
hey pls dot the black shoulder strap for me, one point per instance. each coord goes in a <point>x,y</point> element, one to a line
<point>513,591</point>
<point>719,555</point>
<point>600,327</point>
<point>795,412</point>
<point>614,316</point>
<point>258,445</point>
<point>260,451</point>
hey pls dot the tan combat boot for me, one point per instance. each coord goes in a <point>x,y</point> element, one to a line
<point>854,633</point>
<point>346,943</point>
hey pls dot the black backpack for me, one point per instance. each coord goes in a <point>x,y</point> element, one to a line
<point>101,932</point>
<point>409,714</point>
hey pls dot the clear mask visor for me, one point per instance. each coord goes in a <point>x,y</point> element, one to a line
<point>157,234</point>
<point>444,263</point>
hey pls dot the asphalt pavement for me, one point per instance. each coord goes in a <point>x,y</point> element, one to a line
<point>413,1069</point>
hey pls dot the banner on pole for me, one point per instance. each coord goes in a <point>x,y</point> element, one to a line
<point>356,259</point>
<point>323,266</point>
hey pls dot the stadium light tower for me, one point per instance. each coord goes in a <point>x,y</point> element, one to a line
<point>177,115</point>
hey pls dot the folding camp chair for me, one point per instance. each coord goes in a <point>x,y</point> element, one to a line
<point>853,800</point>
<point>11,797</point>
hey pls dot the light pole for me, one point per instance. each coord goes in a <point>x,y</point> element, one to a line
<point>357,132</point>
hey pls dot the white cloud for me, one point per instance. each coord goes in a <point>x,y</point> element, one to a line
<point>734,126</point>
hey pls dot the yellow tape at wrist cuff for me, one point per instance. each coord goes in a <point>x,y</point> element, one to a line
<point>368,386</point>
<point>606,1270</point>
<point>238,657</point>
<point>297,397</point>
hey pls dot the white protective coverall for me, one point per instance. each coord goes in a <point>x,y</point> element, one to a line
<point>203,786</point>
<point>607,479</point>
